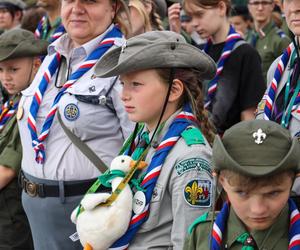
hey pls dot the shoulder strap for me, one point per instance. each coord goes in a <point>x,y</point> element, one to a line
<point>83,147</point>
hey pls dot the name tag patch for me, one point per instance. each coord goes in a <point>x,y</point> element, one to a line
<point>197,193</point>
<point>193,164</point>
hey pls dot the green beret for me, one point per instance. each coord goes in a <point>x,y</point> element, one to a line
<point>12,3</point>
<point>151,50</point>
<point>17,43</point>
<point>256,148</point>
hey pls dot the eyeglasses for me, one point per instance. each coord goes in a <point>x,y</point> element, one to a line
<point>263,3</point>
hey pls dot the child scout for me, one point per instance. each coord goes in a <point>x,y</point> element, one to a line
<point>19,62</point>
<point>256,163</point>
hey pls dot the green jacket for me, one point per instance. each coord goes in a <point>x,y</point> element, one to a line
<point>274,238</point>
<point>270,43</point>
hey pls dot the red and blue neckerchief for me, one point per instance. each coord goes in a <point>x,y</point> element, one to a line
<point>43,28</point>
<point>8,109</point>
<point>37,140</point>
<point>221,222</point>
<point>231,39</point>
<point>178,125</point>
<point>271,92</point>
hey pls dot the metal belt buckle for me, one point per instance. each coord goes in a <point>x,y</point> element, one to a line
<point>31,189</point>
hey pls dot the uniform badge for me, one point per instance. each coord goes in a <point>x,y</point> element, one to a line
<point>71,112</point>
<point>197,164</point>
<point>261,105</point>
<point>197,193</point>
<point>259,136</point>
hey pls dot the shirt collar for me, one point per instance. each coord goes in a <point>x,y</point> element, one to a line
<point>64,46</point>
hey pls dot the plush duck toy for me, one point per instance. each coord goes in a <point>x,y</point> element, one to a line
<point>99,227</point>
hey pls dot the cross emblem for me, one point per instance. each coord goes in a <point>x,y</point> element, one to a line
<point>259,136</point>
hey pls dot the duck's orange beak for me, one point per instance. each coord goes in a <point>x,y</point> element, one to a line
<point>88,247</point>
<point>141,164</point>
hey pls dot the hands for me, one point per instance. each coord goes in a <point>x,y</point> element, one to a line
<point>174,17</point>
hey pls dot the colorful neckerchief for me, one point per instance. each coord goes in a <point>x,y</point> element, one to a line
<point>221,222</point>
<point>37,140</point>
<point>271,92</point>
<point>231,39</point>
<point>178,125</point>
<point>44,27</point>
<point>8,109</point>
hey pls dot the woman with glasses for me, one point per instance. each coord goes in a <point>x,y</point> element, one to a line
<point>56,173</point>
<point>269,40</point>
<point>233,94</point>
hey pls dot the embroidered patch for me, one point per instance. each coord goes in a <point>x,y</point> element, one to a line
<point>197,193</point>
<point>71,112</point>
<point>193,164</point>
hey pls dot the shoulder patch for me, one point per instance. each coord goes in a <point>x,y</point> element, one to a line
<point>198,192</point>
<point>198,164</point>
<point>281,33</point>
<point>206,217</point>
<point>193,136</point>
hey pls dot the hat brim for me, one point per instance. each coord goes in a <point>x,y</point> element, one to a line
<point>159,55</point>
<point>225,161</point>
<point>24,49</point>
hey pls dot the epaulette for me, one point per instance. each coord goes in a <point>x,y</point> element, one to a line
<point>193,135</point>
<point>206,217</point>
<point>280,33</point>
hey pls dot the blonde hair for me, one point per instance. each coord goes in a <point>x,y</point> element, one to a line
<point>121,9</point>
<point>152,21</point>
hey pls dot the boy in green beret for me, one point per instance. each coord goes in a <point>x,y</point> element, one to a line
<point>256,163</point>
<point>19,62</point>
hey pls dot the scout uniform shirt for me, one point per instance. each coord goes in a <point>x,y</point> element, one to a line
<point>270,43</point>
<point>175,202</point>
<point>102,129</point>
<point>273,238</point>
<point>13,220</point>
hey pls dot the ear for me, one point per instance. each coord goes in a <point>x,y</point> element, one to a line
<point>177,89</point>
<point>35,66</point>
<point>222,180</point>
<point>222,8</point>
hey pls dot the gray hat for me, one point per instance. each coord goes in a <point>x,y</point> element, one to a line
<point>155,49</point>
<point>15,3</point>
<point>256,148</point>
<point>17,43</point>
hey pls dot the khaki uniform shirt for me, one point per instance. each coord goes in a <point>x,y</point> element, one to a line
<point>171,210</point>
<point>10,144</point>
<point>273,238</point>
<point>270,43</point>
<point>101,129</point>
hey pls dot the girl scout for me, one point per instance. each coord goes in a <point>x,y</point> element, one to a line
<point>56,172</point>
<point>257,177</point>
<point>281,100</point>
<point>160,75</point>
<point>235,91</point>
<point>19,63</point>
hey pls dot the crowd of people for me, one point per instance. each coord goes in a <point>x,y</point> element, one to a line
<point>205,92</point>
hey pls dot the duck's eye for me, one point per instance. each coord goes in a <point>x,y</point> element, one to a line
<point>123,161</point>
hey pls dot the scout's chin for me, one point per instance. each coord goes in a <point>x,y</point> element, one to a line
<point>258,223</point>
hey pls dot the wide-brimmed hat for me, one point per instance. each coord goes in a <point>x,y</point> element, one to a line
<point>151,50</point>
<point>256,148</point>
<point>18,43</point>
<point>12,3</point>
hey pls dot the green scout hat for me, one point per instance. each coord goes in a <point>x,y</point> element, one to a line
<point>12,3</point>
<point>17,43</point>
<point>155,49</point>
<point>256,148</point>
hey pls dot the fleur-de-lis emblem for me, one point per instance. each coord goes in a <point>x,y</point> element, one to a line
<point>195,191</point>
<point>259,136</point>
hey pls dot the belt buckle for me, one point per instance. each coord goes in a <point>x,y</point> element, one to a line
<point>31,189</point>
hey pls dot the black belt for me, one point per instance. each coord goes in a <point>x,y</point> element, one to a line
<point>69,189</point>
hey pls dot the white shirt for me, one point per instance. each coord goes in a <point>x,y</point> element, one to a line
<point>101,129</point>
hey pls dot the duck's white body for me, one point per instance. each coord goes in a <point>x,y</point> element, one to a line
<point>98,226</point>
